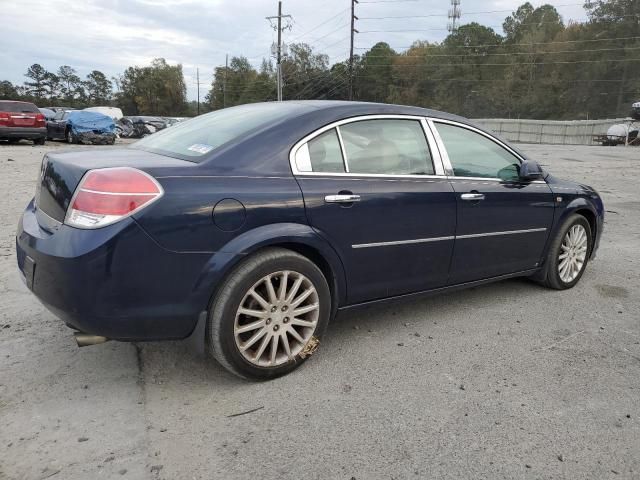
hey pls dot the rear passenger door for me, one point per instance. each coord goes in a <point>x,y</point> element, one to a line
<point>377,192</point>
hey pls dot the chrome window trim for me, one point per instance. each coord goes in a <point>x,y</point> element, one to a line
<point>433,148</point>
<point>345,160</point>
<point>439,239</point>
<point>336,125</point>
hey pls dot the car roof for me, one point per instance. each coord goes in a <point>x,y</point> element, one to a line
<point>351,108</point>
<point>17,101</point>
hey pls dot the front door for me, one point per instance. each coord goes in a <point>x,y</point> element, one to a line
<point>370,188</point>
<point>503,222</point>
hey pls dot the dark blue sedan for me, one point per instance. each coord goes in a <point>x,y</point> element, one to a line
<point>249,228</point>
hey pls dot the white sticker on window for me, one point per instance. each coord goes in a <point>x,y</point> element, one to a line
<point>200,148</point>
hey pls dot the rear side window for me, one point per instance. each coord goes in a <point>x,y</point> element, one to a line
<point>387,147</point>
<point>321,154</point>
<point>474,155</point>
<point>18,107</point>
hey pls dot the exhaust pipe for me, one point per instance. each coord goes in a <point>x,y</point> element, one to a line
<point>84,339</point>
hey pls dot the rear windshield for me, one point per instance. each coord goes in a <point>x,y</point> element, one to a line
<point>18,107</point>
<point>194,139</point>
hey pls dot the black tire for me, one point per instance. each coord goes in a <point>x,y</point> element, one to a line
<point>550,275</point>
<point>39,141</point>
<point>222,313</point>
<point>13,141</point>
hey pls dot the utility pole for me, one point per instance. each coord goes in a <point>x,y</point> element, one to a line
<point>279,47</point>
<point>224,82</point>
<point>198,81</point>
<point>353,31</point>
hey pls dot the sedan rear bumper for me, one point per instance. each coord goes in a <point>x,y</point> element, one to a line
<point>23,132</point>
<point>112,281</point>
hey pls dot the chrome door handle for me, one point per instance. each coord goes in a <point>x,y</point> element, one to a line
<point>472,197</point>
<point>342,198</point>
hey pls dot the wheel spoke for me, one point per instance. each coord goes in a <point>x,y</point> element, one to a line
<point>273,298</point>
<point>263,345</point>
<point>263,303</point>
<point>250,326</point>
<point>274,349</point>
<point>256,336</point>
<point>563,255</point>
<point>302,297</point>
<point>252,313</point>
<point>282,291</point>
<point>305,309</point>
<point>285,343</point>
<point>302,323</point>
<point>294,289</point>
<point>296,335</point>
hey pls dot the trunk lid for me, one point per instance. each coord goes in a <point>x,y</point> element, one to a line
<point>20,114</point>
<point>60,173</point>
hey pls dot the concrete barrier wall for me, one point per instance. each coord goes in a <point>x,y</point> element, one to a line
<point>570,132</point>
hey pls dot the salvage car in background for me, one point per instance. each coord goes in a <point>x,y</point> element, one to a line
<point>140,126</point>
<point>21,120</point>
<point>113,112</point>
<point>48,113</point>
<point>248,228</point>
<point>80,126</point>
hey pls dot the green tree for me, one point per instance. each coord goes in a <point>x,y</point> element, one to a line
<point>36,86</point>
<point>158,89</point>
<point>98,88</point>
<point>8,91</point>
<point>71,83</point>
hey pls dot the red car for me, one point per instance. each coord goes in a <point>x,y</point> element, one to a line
<point>20,120</point>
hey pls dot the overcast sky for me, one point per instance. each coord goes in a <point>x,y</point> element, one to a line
<point>109,35</point>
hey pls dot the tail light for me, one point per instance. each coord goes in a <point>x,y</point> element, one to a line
<point>108,195</point>
<point>40,119</point>
<point>4,117</point>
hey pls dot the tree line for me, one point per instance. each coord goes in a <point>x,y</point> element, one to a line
<point>539,68</point>
<point>157,89</point>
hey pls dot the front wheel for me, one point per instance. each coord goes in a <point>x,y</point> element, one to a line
<point>69,137</point>
<point>269,315</point>
<point>568,254</point>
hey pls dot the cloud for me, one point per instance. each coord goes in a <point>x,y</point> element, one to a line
<point>110,35</point>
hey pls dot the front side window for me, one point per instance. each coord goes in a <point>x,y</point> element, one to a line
<point>474,155</point>
<point>387,147</point>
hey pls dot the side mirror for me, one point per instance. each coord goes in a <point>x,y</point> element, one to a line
<point>530,171</point>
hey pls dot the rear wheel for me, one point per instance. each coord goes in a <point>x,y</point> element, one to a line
<point>39,141</point>
<point>269,315</point>
<point>568,254</point>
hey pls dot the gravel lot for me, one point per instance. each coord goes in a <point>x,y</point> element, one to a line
<point>504,381</point>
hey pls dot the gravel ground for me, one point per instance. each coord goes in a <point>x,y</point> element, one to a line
<point>503,381</point>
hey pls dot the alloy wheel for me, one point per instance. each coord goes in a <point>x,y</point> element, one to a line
<point>276,318</point>
<point>573,253</point>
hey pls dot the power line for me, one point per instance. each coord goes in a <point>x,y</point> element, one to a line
<point>506,64</point>
<point>510,44</point>
<point>506,54</point>
<point>319,25</point>
<point>466,13</point>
